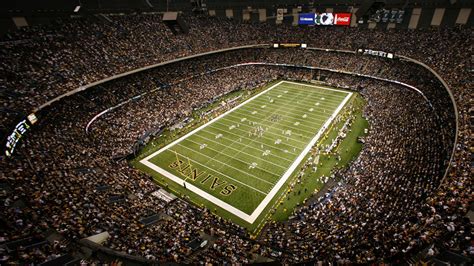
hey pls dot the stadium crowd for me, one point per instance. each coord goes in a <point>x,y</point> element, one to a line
<point>388,204</point>
<point>378,197</point>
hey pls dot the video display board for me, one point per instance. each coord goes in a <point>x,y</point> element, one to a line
<point>325,19</point>
<point>375,53</point>
<point>385,15</point>
<point>18,133</point>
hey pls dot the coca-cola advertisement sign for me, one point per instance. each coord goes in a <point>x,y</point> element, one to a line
<point>342,19</point>
<point>325,19</point>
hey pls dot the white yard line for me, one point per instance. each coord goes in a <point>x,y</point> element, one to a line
<point>256,213</point>
<point>312,86</point>
<point>270,126</point>
<point>224,137</point>
<point>301,108</point>
<point>228,165</point>
<point>301,85</point>
<point>304,109</point>
<point>215,171</point>
<point>263,137</point>
<point>247,163</point>
<point>310,115</point>
<point>253,156</point>
<point>315,96</point>
<point>246,132</point>
<point>281,106</point>
<point>253,148</point>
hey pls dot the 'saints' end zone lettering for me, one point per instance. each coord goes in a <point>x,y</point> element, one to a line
<point>194,174</point>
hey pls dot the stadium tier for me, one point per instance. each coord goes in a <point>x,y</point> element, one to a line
<point>127,141</point>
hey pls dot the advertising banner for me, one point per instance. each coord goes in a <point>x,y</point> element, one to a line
<point>325,19</point>
<point>342,19</point>
<point>306,19</point>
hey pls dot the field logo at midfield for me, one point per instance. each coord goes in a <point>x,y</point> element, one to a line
<point>200,176</point>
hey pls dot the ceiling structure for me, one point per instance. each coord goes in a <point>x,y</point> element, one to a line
<point>28,7</point>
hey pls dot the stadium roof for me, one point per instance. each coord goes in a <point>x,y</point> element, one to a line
<point>97,5</point>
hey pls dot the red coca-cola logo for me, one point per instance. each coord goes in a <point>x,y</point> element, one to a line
<point>342,19</point>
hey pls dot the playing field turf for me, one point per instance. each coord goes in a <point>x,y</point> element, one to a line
<point>242,158</point>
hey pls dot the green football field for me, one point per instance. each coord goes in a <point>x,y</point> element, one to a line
<point>240,160</point>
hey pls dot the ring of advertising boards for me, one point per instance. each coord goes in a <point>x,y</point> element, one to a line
<point>325,19</point>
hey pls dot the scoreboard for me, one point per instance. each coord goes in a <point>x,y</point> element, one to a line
<point>385,15</point>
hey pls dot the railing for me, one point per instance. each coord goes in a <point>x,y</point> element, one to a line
<point>69,93</point>
<point>253,64</point>
<point>453,101</point>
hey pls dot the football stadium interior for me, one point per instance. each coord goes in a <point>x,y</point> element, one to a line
<point>225,132</point>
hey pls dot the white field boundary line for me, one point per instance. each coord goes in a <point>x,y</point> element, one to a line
<point>224,205</point>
